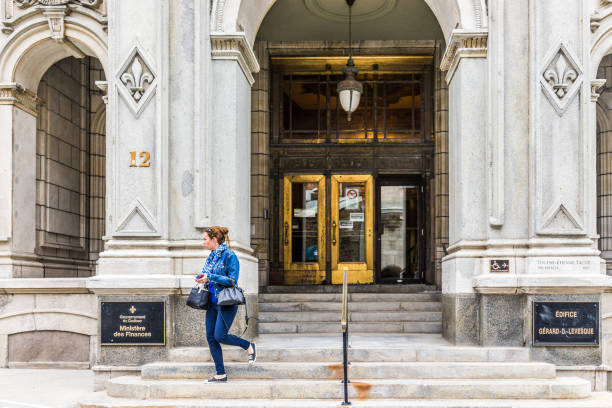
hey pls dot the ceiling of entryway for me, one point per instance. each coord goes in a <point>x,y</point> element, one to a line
<point>295,20</point>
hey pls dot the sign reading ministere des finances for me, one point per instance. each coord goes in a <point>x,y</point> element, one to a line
<point>132,323</point>
<point>565,323</point>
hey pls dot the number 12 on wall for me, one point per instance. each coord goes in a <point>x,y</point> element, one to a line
<point>143,155</point>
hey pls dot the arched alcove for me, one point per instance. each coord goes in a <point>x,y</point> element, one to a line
<point>32,57</point>
<point>406,38</point>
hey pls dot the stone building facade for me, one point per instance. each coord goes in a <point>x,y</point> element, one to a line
<point>126,127</point>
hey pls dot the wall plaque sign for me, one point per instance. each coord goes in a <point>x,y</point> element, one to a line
<point>133,323</point>
<point>499,265</point>
<point>565,323</point>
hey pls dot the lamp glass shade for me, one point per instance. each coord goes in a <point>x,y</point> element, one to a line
<point>349,99</point>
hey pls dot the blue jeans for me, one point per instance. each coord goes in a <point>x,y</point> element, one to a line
<point>218,321</point>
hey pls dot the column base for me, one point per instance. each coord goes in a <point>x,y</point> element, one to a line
<point>13,265</point>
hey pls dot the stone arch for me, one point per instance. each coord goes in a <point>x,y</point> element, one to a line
<point>230,16</point>
<point>29,51</point>
<point>36,40</point>
<point>602,119</point>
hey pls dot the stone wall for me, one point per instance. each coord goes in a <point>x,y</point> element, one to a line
<point>604,164</point>
<point>46,330</point>
<point>440,168</point>
<point>70,169</point>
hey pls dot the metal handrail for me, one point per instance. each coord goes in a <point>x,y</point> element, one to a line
<point>344,320</point>
<point>344,325</point>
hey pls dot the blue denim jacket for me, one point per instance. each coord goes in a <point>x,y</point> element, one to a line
<point>226,271</point>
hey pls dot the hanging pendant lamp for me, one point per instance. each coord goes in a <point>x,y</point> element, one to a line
<point>349,89</point>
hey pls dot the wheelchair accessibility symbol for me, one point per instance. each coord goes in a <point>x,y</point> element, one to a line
<point>499,265</point>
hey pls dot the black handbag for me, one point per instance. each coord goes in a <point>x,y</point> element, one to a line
<point>199,298</point>
<point>231,296</point>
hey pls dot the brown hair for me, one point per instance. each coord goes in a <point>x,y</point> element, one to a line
<point>221,233</point>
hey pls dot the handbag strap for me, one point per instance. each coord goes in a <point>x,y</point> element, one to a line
<point>246,314</point>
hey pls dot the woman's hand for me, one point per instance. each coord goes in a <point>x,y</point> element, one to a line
<point>203,278</point>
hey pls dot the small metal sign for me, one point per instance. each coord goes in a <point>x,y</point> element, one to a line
<point>565,323</point>
<point>133,323</point>
<point>499,265</point>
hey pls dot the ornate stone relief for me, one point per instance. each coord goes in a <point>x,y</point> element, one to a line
<point>18,11</point>
<point>561,77</point>
<point>335,10</point>
<point>560,219</point>
<point>137,222</point>
<point>136,80</point>
<point>28,3</point>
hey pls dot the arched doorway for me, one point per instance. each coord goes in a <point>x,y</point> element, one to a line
<point>393,153</point>
<point>49,65</point>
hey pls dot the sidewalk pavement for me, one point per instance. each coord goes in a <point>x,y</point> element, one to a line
<point>44,388</point>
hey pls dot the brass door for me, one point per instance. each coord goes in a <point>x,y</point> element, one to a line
<point>352,243</point>
<point>304,229</point>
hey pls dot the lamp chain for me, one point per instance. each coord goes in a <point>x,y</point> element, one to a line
<point>350,37</point>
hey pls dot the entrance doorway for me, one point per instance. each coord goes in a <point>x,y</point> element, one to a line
<point>374,228</point>
<point>350,194</point>
<point>400,243</point>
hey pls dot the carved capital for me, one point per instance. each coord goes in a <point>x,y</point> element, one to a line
<point>103,86</point>
<point>463,44</point>
<point>596,85</point>
<point>235,47</point>
<point>15,94</point>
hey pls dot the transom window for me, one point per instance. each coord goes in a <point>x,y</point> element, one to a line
<point>391,108</point>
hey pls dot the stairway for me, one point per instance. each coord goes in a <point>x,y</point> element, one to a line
<point>305,371</point>
<point>397,359</point>
<point>391,309</point>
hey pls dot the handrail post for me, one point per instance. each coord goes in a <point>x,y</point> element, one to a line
<point>344,325</point>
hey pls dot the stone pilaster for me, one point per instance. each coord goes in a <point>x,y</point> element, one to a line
<point>18,112</point>
<point>464,60</point>
<point>440,169</point>
<point>260,156</point>
<point>137,219</point>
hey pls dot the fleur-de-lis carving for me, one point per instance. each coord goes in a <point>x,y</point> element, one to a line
<point>136,81</point>
<point>561,76</point>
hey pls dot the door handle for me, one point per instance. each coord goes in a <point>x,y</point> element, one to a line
<point>333,232</point>
<point>286,233</point>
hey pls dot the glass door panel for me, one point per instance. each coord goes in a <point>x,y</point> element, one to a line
<point>351,228</point>
<point>399,234</point>
<point>304,229</point>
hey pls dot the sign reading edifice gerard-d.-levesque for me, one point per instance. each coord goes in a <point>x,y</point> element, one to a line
<point>566,323</point>
<point>132,323</point>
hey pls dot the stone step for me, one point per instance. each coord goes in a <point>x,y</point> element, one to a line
<point>270,317</point>
<point>421,353</point>
<point>559,388</point>
<point>358,288</point>
<point>595,400</point>
<point>361,327</point>
<point>355,307</point>
<point>353,297</point>
<point>357,370</point>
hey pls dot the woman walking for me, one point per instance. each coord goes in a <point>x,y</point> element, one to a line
<point>221,270</point>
